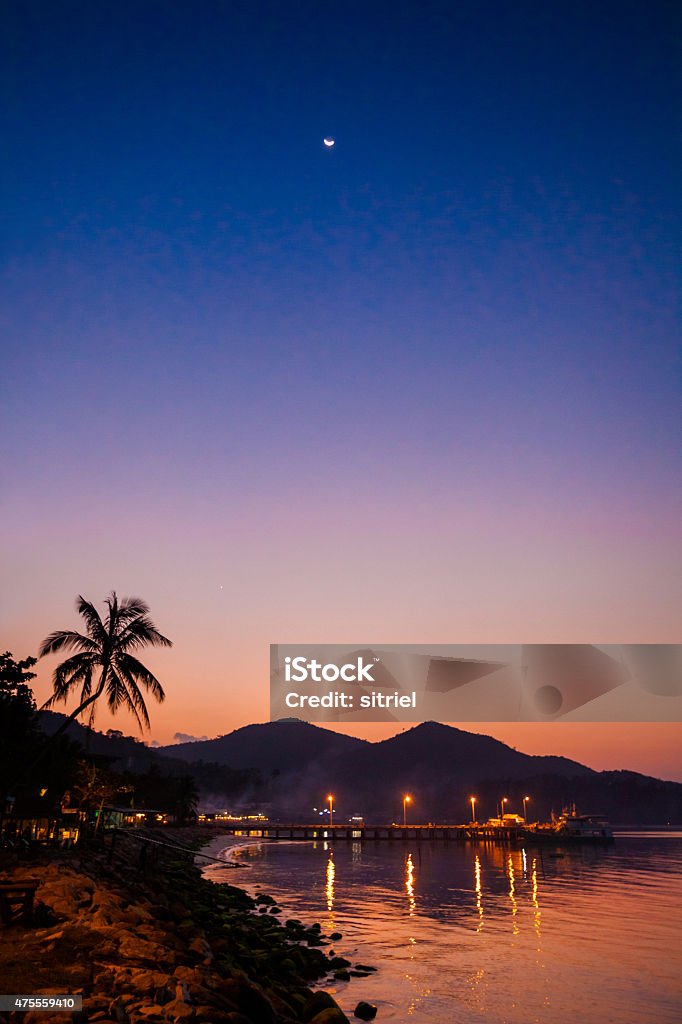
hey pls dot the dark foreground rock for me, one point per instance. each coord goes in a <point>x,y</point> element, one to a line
<point>365,1011</point>
<point>159,944</point>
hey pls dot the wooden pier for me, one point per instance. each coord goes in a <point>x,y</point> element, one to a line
<point>376,833</point>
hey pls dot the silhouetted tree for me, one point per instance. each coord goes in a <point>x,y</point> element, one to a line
<point>18,733</point>
<point>94,786</point>
<point>104,651</point>
<point>184,798</point>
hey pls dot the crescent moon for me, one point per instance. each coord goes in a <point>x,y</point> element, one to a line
<point>329,143</point>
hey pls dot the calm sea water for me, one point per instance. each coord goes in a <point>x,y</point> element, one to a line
<point>473,932</point>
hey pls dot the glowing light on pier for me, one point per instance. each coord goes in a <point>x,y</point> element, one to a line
<point>330,801</point>
<point>407,799</point>
<point>526,800</point>
<point>472,801</point>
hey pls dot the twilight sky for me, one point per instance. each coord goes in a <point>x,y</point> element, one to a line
<point>423,387</point>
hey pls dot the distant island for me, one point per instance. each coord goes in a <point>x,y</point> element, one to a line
<point>285,768</point>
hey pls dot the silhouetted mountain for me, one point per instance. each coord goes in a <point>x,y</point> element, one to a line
<point>440,766</point>
<point>289,767</point>
<point>274,746</point>
<point>430,748</point>
<point>219,784</point>
<point>123,752</point>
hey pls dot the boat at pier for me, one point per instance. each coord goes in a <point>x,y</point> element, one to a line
<point>572,827</point>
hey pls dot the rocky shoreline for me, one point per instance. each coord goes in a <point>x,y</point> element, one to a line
<point>145,939</point>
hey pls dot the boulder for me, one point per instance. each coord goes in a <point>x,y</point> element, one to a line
<point>317,1002</point>
<point>332,1015</point>
<point>141,950</point>
<point>206,1014</point>
<point>365,1011</point>
<point>118,1011</point>
<point>200,947</point>
<point>249,999</point>
<point>178,1010</point>
<point>188,974</point>
<point>182,992</point>
<point>93,1005</point>
<point>147,981</point>
<point>135,916</point>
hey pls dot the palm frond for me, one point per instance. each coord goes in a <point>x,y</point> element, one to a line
<point>53,699</point>
<point>86,677</point>
<point>141,632</point>
<point>115,690</point>
<point>106,645</point>
<point>135,672</point>
<point>131,608</point>
<point>123,691</point>
<point>75,670</point>
<point>138,707</point>
<point>95,625</point>
<point>67,639</point>
<point>112,616</point>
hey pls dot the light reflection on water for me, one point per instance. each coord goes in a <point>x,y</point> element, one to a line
<point>473,932</point>
<point>512,893</point>
<point>409,885</point>
<point>478,889</point>
<point>331,872</point>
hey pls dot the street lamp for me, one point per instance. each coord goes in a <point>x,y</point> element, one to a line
<point>472,800</point>
<point>504,801</point>
<point>525,801</point>
<point>406,800</point>
<point>330,801</point>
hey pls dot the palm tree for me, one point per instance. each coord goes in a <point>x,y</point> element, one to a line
<point>104,650</point>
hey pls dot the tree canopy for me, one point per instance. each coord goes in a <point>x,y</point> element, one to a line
<point>104,664</point>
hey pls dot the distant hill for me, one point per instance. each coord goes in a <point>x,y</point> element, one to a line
<point>220,785</point>
<point>440,766</point>
<point>430,748</point>
<point>124,752</point>
<point>283,746</point>
<point>288,768</point>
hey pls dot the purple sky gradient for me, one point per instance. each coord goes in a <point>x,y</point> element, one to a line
<point>423,387</point>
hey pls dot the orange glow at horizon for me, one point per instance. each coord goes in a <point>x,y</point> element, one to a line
<point>238,696</point>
